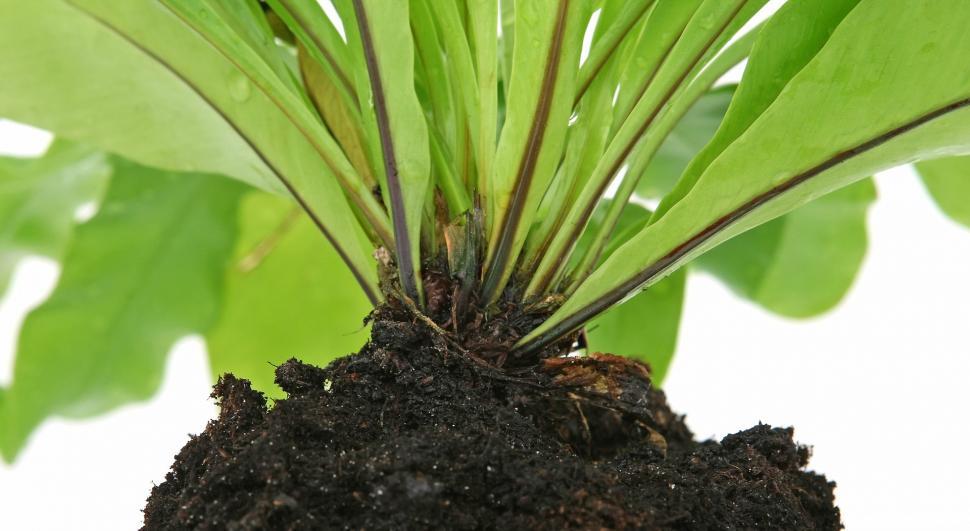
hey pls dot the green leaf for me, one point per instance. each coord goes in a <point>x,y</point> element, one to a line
<point>463,82</point>
<point>948,181</point>
<point>645,327</point>
<point>711,25</point>
<point>287,295</point>
<point>696,95</point>
<point>586,138</point>
<point>39,198</point>
<point>844,116</point>
<point>360,74</point>
<point>444,113</point>
<point>247,22</point>
<point>120,99</point>
<point>145,271</point>
<point>632,218</point>
<point>389,54</point>
<point>798,265</point>
<point>506,45</point>
<point>690,135</point>
<point>531,144</point>
<point>803,263</point>
<point>663,28</point>
<point>433,76</point>
<point>773,265</point>
<point>697,99</point>
<point>331,79</point>
<point>484,41</point>
<point>310,24</point>
<point>339,113</point>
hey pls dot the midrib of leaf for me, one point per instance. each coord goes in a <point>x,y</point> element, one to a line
<point>361,278</point>
<point>553,269</point>
<point>402,240</point>
<point>523,180</point>
<point>669,260</point>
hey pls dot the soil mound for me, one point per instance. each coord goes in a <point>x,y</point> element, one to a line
<point>412,434</point>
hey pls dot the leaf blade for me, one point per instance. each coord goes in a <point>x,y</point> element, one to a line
<point>145,271</point>
<point>948,182</point>
<point>645,327</point>
<point>141,132</point>
<point>39,198</point>
<point>789,40</point>
<point>708,28</point>
<point>389,55</point>
<point>803,263</point>
<point>533,136</point>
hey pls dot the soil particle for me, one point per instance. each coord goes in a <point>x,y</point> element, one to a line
<point>411,433</point>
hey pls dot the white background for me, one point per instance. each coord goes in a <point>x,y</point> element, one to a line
<point>877,386</point>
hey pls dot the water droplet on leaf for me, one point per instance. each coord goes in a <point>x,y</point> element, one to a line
<point>239,88</point>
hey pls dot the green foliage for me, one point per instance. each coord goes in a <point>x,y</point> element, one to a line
<point>241,118</point>
<point>808,143</point>
<point>690,135</point>
<point>784,47</point>
<point>532,140</point>
<point>120,99</point>
<point>948,181</point>
<point>427,132</point>
<point>39,199</point>
<point>803,263</point>
<point>145,271</point>
<point>403,134</point>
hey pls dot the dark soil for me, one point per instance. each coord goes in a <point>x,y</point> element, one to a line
<point>415,433</point>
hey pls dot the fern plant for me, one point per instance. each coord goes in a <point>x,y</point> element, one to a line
<point>464,159</point>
